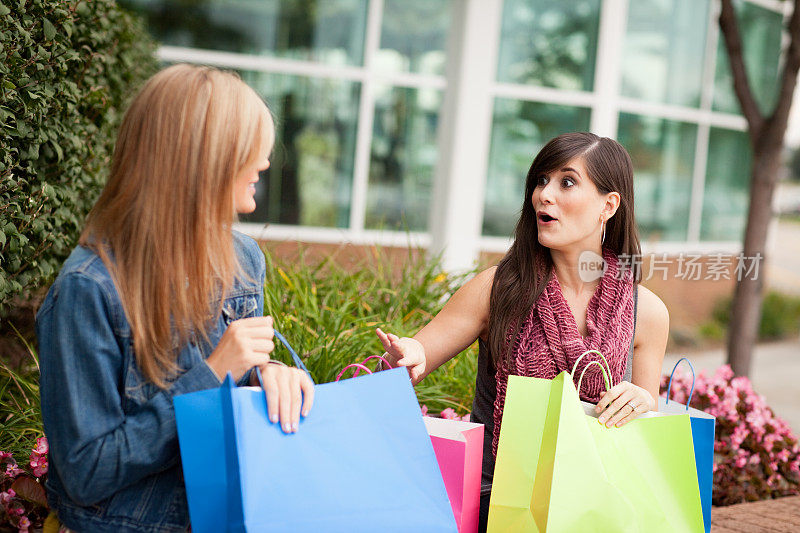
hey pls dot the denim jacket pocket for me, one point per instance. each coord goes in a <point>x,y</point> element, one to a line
<point>134,502</point>
<point>243,306</point>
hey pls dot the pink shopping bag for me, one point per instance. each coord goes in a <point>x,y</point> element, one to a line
<point>459,451</point>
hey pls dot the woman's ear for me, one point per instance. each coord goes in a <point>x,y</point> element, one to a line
<point>612,204</point>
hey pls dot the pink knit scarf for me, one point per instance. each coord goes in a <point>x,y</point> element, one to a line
<point>549,341</point>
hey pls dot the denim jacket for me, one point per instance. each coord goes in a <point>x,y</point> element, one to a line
<point>114,459</point>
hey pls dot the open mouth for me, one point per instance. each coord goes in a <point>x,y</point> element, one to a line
<point>544,217</point>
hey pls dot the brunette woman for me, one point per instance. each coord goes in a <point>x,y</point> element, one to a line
<point>544,305</point>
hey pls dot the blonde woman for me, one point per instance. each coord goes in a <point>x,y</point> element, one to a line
<point>160,298</point>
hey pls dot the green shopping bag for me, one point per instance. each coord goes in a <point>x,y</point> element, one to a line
<point>558,469</point>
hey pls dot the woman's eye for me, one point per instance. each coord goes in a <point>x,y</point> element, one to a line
<point>567,183</point>
<point>541,181</point>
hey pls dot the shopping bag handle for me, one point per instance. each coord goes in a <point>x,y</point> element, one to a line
<point>602,369</point>
<point>382,359</point>
<point>694,377</point>
<point>363,366</point>
<point>297,361</point>
<point>603,357</point>
<point>358,366</point>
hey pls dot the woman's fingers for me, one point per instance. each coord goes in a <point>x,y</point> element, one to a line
<point>624,410</point>
<point>290,394</point>
<point>296,395</point>
<point>387,344</point>
<point>262,345</point>
<point>637,406</point>
<point>285,403</point>
<point>628,417</point>
<point>272,391</point>
<point>608,415</point>
<point>308,393</point>
<point>391,343</point>
<point>623,403</point>
<point>610,395</point>
<point>257,326</point>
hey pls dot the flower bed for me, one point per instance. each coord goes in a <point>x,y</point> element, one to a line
<point>23,504</point>
<point>756,456</point>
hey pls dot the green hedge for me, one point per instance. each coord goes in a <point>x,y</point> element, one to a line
<point>67,69</point>
<point>329,313</point>
<point>780,318</point>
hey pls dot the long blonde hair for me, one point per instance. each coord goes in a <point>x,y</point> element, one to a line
<point>162,225</point>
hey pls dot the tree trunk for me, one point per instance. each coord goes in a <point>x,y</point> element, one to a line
<point>746,312</point>
<point>766,138</point>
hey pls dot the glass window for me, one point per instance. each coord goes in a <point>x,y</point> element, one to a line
<point>403,158</point>
<point>662,152</point>
<point>664,48</point>
<point>727,190</point>
<point>520,129</point>
<point>550,43</point>
<point>414,36</point>
<point>310,177</point>
<point>761,39</point>
<point>329,31</point>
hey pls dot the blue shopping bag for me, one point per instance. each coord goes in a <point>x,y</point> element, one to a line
<point>703,425</point>
<point>243,473</point>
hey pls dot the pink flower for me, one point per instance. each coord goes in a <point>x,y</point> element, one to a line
<point>6,497</point>
<point>12,470</point>
<point>724,373</point>
<point>424,410</point>
<point>38,464</point>
<point>450,414</point>
<point>24,524</point>
<point>42,446</point>
<point>40,470</point>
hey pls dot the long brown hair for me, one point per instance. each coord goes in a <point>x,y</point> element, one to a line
<point>162,225</point>
<point>523,273</point>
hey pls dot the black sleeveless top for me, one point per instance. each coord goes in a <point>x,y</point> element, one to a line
<point>486,392</point>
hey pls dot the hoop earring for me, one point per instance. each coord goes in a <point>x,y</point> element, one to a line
<point>603,238</point>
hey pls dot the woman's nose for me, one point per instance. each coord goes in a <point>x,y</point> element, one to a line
<point>546,194</point>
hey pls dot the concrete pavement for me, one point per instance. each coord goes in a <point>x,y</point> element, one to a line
<point>783,260</point>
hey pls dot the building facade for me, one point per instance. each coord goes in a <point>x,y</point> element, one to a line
<point>414,122</point>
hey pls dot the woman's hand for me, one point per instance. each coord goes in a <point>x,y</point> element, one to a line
<point>405,352</point>
<point>290,393</point>
<point>623,403</point>
<point>246,343</point>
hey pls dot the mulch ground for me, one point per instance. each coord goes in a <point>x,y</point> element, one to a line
<point>781,515</point>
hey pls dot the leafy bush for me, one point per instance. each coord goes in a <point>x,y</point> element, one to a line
<point>329,315</point>
<point>67,68</point>
<point>780,318</point>
<point>756,456</point>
